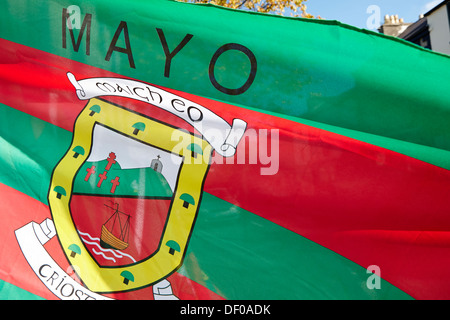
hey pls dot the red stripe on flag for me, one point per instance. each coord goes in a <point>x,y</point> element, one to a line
<point>36,82</point>
<point>355,199</point>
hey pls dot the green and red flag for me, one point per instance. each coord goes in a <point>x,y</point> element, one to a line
<point>165,150</point>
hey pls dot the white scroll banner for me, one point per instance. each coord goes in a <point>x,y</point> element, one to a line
<point>222,136</point>
<point>31,239</point>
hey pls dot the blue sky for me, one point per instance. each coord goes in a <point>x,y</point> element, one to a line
<point>354,12</point>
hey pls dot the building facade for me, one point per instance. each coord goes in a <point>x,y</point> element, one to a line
<point>431,31</point>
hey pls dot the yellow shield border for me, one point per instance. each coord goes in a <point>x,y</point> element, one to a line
<point>180,221</point>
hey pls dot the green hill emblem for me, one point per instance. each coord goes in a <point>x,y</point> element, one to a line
<point>106,177</point>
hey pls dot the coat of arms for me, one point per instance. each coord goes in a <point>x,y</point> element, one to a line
<point>125,196</point>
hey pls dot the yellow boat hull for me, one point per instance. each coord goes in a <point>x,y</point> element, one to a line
<point>111,241</point>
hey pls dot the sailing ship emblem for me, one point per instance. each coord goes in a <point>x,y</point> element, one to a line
<point>108,239</point>
<point>124,198</point>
